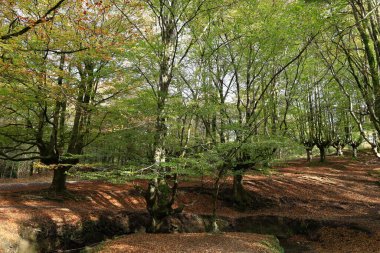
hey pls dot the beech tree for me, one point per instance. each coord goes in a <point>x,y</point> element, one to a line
<point>53,79</point>
<point>352,55</point>
<point>163,89</point>
<point>18,25</point>
<point>167,40</point>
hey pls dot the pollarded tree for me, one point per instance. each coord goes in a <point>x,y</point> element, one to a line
<point>241,77</point>
<point>259,67</point>
<point>302,126</point>
<point>320,116</point>
<point>320,105</point>
<point>356,50</point>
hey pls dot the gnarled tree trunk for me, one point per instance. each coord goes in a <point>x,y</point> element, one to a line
<point>58,184</point>
<point>339,150</point>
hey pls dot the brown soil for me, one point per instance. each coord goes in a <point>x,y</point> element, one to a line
<point>341,189</point>
<point>171,243</point>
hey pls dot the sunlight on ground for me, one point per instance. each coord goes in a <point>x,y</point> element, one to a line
<point>319,179</point>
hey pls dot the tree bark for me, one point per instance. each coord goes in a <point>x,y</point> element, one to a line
<point>354,151</point>
<point>238,190</point>
<point>31,169</point>
<point>322,154</point>
<point>309,153</point>
<point>158,201</point>
<point>339,151</point>
<point>58,184</point>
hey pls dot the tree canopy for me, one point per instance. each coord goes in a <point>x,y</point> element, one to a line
<point>166,89</point>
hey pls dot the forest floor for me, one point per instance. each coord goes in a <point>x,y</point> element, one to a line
<point>341,190</point>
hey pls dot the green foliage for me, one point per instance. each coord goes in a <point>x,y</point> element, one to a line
<point>233,86</point>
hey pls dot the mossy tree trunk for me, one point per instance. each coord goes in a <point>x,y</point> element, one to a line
<point>157,195</point>
<point>354,151</point>
<point>322,153</point>
<point>240,197</point>
<point>58,184</point>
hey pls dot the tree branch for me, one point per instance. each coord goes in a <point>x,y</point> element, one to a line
<point>44,18</point>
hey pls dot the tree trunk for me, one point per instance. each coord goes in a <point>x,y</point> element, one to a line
<point>354,151</point>
<point>322,153</point>
<point>238,190</point>
<point>160,198</point>
<point>158,201</point>
<point>309,153</point>
<point>155,198</point>
<point>375,150</point>
<point>58,184</point>
<point>151,203</point>
<point>339,151</point>
<point>31,169</point>
<point>214,224</point>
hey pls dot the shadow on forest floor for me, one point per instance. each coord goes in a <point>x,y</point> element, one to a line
<point>298,199</point>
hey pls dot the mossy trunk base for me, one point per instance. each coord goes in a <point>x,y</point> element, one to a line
<point>58,184</point>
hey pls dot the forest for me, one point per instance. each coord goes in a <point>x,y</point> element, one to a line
<point>189,126</point>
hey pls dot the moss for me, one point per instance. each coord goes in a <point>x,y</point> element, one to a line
<point>273,245</point>
<point>93,249</point>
